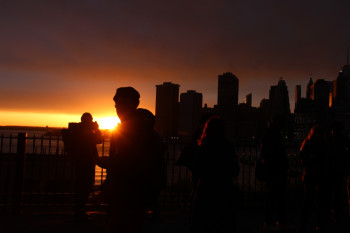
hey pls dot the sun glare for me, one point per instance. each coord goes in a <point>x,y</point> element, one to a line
<point>108,122</point>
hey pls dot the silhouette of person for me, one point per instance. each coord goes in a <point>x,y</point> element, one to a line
<point>155,160</point>
<point>313,153</point>
<point>135,169</point>
<point>83,138</point>
<point>274,158</point>
<point>214,168</point>
<point>187,155</point>
<point>339,170</point>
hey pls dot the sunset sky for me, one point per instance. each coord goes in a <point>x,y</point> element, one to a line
<point>61,58</point>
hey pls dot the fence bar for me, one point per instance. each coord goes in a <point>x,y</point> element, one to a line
<point>2,142</point>
<point>20,169</point>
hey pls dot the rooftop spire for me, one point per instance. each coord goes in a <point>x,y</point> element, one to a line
<point>310,81</point>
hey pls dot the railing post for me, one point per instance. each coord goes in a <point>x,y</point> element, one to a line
<point>20,169</point>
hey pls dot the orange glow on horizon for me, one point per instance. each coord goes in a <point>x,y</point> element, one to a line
<point>14,118</point>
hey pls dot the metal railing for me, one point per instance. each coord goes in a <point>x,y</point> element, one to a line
<point>47,175</point>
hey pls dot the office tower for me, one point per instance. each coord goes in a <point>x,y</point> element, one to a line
<point>167,106</point>
<point>279,99</point>
<point>308,88</point>
<point>341,90</point>
<point>320,94</point>
<point>227,91</point>
<point>248,100</point>
<point>297,97</point>
<point>190,112</point>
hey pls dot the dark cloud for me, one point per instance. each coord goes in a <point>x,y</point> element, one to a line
<point>147,42</point>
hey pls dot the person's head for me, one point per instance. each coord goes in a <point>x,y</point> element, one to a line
<point>126,100</point>
<point>204,118</point>
<point>86,118</point>
<point>316,132</point>
<point>214,129</point>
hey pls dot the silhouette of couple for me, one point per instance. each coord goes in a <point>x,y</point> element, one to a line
<point>134,166</point>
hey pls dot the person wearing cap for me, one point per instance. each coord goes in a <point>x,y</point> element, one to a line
<point>134,170</point>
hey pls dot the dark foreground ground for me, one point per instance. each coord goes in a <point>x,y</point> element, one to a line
<point>173,220</point>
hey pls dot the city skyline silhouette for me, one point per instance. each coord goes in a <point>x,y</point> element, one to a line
<point>53,53</point>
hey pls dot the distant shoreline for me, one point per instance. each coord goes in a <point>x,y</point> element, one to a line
<point>31,128</point>
<point>46,131</point>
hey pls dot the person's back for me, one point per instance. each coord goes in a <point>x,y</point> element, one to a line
<point>274,158</point>
<point>87,137</point>
<point>339,171</point>
<point>314,154</point>
<point>82,140</point>
<point>339,152</point>
<point>214,168</point>
<point>216,163</point>
<point>273,153</point>
<point>133,169</point>
<point>124,172</point>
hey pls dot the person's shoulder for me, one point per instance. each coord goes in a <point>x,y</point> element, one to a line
<point>115,134</point>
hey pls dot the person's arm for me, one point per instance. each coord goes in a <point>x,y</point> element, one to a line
<point>97,133</point>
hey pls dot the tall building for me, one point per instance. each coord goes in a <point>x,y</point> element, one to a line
<point>248,99</point>
<point>297,94</point>
<point>341,96</point>
<point>320,94</point>
<point>167,108</point>
<point>308,88</point>
<point>190,112</point>
<point>227,91</point>
<point>341,90</point>
<point>279,98</point>
<point>312,110</point>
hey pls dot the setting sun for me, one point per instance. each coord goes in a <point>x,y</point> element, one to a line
<point>107,122</point>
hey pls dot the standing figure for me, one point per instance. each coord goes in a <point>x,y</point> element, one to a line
<point>314,152</point>
<point>134,175</point>
<point>274,158</point>
<point>339,171</point>
<point>215,165</point>
<point>81,144</point>
<point>187,154</point>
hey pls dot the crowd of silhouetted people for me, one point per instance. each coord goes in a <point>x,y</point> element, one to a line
<point>136,173</point>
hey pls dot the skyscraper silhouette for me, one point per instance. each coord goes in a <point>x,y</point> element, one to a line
<point>227,91</point>
<point>320,94</point>
<point>297,97</point>
<point>248,99</point>
<point>279,98</point>
<point>308,88</point>
<point>341,90</point>
<point>190,111</point>
<point>167,108</point>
